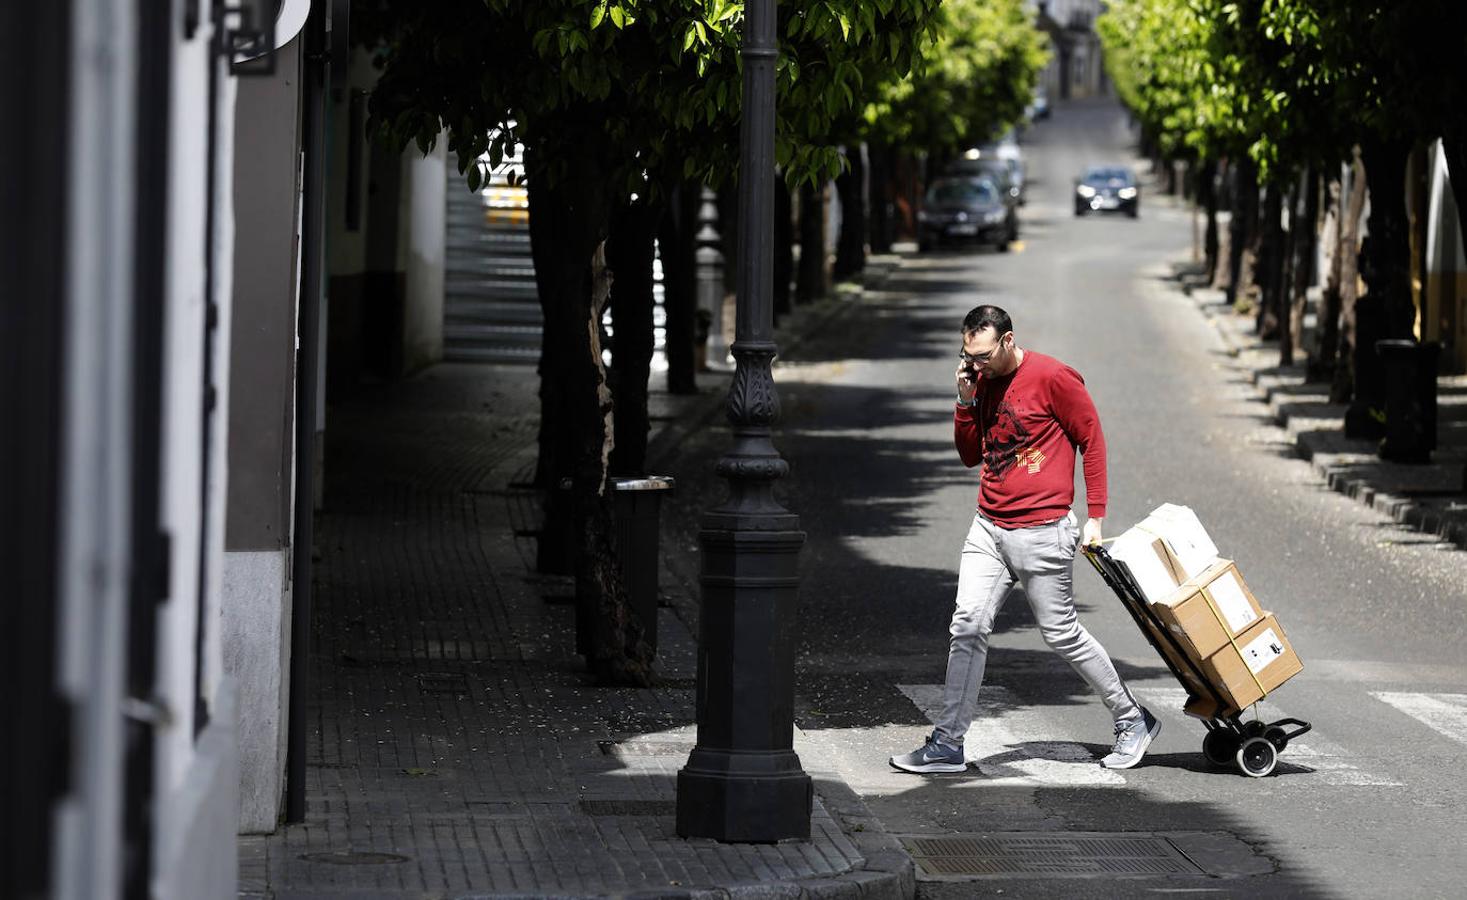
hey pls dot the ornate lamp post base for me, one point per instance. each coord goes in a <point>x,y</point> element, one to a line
<point>743,780</point>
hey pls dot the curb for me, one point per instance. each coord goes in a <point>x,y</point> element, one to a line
<point>1338,477</point>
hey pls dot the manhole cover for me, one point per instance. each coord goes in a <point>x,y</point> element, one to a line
<point>353,858</point>
<point>1076,854</point>
<point>629,807</point>
<point>443,683</point>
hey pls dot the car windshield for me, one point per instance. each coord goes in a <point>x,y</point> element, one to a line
<point>964,190</point>
<point>1104,174</point>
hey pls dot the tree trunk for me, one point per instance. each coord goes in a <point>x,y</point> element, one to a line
<point>1207,195</point>
<point>784,247</point>
<point>880,180</point>
<point>850,248</point>
<point>1302,223</point>
<point>618,653</point>
<point>678,240</point>
<point>1270,264</point>
<point>1386,310</point>
<point>630,252</point>
<point>1342,387</point>
<point>567,227</point>
<point>1243,199</point>
<point>812,283</point>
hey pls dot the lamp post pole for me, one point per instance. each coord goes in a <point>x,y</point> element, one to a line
<point>743,780</point>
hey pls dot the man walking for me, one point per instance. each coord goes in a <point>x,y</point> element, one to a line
<point>1023,415</point>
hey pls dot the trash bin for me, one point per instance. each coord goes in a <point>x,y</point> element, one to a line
<point>1408,370</point>
<point>636,507</point>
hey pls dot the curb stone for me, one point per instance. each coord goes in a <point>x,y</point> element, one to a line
<point>1337,466</point>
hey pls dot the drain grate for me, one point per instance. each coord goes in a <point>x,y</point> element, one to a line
<point>1073,855</point>
<point>443,683</point>
<point>629,807</point>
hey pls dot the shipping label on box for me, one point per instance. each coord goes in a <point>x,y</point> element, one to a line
<point>1260,652</point>
<point>1209,609</point>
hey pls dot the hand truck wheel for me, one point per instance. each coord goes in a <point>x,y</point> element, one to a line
<point>1257,757</point>
<point>1220,746</point>
<point>1277,736</point>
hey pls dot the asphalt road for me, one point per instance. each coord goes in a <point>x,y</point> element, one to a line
<point>1368,805</point>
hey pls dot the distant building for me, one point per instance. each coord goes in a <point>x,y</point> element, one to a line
<point>1074,68</point>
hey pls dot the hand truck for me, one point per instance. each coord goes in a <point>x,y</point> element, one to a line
<point>1254,747</point>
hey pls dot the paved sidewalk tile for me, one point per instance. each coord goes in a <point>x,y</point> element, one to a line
<point>457,748</point>
<point>1431,498</point>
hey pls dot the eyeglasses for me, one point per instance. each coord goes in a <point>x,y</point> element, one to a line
<point>976,358</point>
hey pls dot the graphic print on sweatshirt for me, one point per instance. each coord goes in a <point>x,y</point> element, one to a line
<point>1003,440</point>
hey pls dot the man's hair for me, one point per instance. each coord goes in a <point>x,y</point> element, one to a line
<point>981,317</point>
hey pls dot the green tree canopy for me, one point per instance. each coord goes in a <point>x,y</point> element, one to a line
<point>971,82</point>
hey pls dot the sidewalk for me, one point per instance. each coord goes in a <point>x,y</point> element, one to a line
<point>457,748</point>
<point>1429,498</point>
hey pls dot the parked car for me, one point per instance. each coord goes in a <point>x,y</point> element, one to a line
<point>1107,189</point>
<point>966,208</point>
<point>1039,106</point>
<point>989,165</point>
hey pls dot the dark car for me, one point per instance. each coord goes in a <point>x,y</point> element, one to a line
<point>969,208</point>
<point>1003,165</point>
<point>1107,189</point>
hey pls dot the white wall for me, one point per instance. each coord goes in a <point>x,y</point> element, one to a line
<point>195,779</point>
<point>421,246</point>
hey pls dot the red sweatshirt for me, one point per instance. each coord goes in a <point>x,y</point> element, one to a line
<point>1025,428</point>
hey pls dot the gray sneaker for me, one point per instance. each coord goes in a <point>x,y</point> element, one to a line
<point>1132,739</point>
<point>931,757</point>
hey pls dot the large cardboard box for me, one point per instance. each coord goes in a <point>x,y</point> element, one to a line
<point>1164,550</point>
<point>1252,665</point>
<point>1209,609</point>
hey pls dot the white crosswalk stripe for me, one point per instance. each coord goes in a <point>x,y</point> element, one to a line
<point>1444,713</point>
<point>1013,741</point>
<point>1329,760</point>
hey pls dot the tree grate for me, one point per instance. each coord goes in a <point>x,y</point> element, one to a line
<point>1076,855</point>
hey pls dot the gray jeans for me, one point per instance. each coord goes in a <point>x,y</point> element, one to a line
<point>1042,559</point>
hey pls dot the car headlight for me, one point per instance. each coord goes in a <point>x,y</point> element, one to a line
<point>1126,193</point>
<point>993,217</point>
<point>1085,190</point>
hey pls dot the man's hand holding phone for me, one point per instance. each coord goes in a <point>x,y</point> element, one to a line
<point>967,378</point>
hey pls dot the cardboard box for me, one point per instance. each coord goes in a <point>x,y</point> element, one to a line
<point>1253,665</point>
<point>1187,669</point>
<point>1185,537</point>
<point>1156,570</point>
<point>1164,550</point>
<point>1209,609</point>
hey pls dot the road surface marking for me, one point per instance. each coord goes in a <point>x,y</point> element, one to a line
<point>1014,742</point>
<point>1328,759</point>
<point>1445,714</point>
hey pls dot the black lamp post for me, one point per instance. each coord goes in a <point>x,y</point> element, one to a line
<point>743,780</point>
